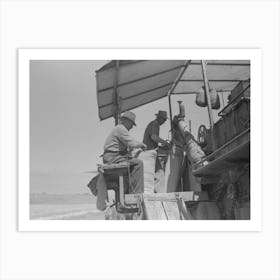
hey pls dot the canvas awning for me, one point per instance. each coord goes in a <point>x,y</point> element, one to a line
<point>139,82</point>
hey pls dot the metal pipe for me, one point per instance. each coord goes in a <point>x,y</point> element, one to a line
<point>181,110</point>
<point>216,81</point>
<point>170,115</point>
<point>222,64</point>
<point>209,106</point>
<point>181,73</point>
<point>195,92</point>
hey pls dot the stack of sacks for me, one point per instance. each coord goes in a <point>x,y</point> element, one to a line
<point>149,161</point>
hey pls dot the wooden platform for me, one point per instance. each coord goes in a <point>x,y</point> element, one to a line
<point>167,206</point>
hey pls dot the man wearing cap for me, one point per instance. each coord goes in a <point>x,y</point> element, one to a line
<point>117,146</point>
<point>151,135</point>
<point>152,139</point>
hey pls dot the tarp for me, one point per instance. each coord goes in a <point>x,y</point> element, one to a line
<point>142,81</point>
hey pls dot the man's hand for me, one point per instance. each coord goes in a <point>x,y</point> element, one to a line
<point>144,147</point>
<point>167,145</point>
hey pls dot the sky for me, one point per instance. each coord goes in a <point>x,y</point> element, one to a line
<point>66,135</point>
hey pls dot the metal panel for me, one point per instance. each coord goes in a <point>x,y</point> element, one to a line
<point>139,83</point>
<point>144,81</point>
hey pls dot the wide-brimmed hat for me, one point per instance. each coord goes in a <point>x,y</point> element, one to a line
<point>130,116</point>
<point>162,114</point>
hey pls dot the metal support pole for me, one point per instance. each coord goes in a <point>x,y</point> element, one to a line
<point>210,112</point>
<point>170,113</point>
<point>116,96</point>
<point>181,73</point>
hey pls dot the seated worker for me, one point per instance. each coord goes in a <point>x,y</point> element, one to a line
<point>117,146</point>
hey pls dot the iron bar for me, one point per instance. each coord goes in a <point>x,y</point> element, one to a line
<point>212,80</point>
<point>195,92</point>
<point>222,64</point>
<point>170,115</point>
<point>209,106</point>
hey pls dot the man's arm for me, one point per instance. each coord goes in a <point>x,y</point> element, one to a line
<point>157,139</point>
<point>155,135</point>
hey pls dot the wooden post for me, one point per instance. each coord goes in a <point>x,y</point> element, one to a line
<point>116,96</point>
<point>209,106</point>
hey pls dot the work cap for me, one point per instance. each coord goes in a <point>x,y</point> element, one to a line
<point>129,115</point>
<point>162,114</point>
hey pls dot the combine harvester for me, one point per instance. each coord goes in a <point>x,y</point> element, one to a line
<point>205,178</point>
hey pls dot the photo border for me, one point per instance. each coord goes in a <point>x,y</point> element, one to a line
<point>24,222</point>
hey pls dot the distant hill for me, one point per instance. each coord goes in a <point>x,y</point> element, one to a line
<point>46,198</point>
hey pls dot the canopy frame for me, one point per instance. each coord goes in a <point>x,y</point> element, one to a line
<point>195,77</point>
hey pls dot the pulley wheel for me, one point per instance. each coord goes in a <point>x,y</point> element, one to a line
<point>202,136</point>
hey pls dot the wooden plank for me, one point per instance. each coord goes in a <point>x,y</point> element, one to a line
<point>186,196</point>
<point>185,213</point>
<point>154,210</point>
<point>132,198</point>
<point>169,196</point>
<point>171,210</point>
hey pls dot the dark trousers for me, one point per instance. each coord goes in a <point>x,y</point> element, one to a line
<point>136,171</point>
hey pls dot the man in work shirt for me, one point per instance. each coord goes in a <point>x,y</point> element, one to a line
<point>151,135</point>
<point>117,146</point>
<point>152,139</point>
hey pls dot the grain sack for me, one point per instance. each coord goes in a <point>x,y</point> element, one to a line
<point>215,99</point>
<point>149,161</point>
<point>201,99</point>
<point>160,181</point>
